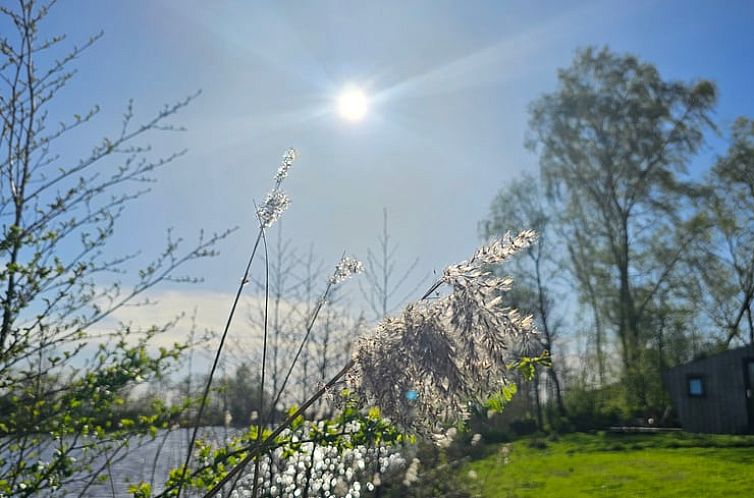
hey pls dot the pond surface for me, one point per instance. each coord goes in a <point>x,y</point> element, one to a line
<point>151,460</point>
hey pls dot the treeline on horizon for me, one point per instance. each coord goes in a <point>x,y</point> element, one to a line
<point>639,265</point>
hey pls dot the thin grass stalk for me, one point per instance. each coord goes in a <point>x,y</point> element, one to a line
<point>205,395</point>
<point>309,471</point>
<point>235,484</point>
<point>100,470</point>
<point>260,423</point>
<point>433,288</point>
<point>378,489</point>
<point>157,455</point>
<point>110,477</point>
<point>288,159</point>
<point>301,346</point>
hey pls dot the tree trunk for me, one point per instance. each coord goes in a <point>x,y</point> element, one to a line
<point>538,401</point>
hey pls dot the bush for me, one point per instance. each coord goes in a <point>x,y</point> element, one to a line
<point>524,427</point>
<point>590,409</point>
<point>537,443</point>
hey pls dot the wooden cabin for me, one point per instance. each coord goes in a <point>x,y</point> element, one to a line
<point>715,394</point>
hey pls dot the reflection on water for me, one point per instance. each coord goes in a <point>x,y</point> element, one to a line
<point>165,452</point>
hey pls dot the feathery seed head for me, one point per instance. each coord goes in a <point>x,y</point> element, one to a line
<point>477,270</point>
<point>424,366</point>
<point>345,269</point>
<point>274,205</point>
<point>288,157</point>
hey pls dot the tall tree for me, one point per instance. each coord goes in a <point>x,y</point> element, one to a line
<point>727,259</point>
<point>614,140</point>
<point>521,206</point>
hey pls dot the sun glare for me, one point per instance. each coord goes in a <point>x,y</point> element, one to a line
<point>352,104</point>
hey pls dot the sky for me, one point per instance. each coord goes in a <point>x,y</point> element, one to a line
<point>448,82</point>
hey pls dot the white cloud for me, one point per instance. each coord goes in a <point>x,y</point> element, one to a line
<point>204,311</point>
<point>207,312</point>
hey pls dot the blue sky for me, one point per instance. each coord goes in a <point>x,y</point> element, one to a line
<point>451,83</point>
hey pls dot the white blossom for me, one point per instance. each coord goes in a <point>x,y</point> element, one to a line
<point>444,439</point>
<point>476,439</point>
<point>412,473</point>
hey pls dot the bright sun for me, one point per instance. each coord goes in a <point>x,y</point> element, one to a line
<point>352,104</point>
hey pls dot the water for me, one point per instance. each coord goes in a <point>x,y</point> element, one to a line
<point>152,459</point>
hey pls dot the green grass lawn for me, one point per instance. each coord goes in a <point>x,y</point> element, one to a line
<point>654,465</point>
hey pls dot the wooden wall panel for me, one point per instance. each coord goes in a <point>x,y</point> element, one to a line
<point>722,408</point>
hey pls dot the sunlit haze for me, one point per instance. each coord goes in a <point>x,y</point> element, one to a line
<point>421,110</point>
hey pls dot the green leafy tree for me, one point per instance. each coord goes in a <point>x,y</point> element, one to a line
<point>614,140</point>
<point>243,395</point>
<point>60,382</point>
<point>726,261</point>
